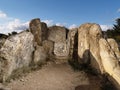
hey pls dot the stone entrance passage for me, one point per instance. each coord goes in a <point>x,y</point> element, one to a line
<point>84,48</point>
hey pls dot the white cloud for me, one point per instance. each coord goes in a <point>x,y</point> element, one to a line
<point>14,25</point>
<point>48,22</point>
<point>51,22</point>
<point>3,15</point>
<point>105,27</point>
<point>72,26</point>
<point>60,24</point>
<point>9,24</point>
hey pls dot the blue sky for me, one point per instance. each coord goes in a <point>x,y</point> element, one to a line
<point>16,14</point>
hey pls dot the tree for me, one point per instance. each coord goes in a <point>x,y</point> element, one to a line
<point>117,26</point>
<point>115,31</point>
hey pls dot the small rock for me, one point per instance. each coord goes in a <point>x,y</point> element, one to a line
<point>22,80</point>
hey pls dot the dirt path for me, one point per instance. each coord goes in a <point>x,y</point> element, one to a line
<point>52,77</point>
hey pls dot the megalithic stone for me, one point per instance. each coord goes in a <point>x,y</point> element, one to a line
<point>35,29</point>
<point>88,45</point>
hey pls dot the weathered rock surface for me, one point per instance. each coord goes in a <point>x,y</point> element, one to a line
<point>35,28</point>
<point>83,43</point>
<point>109,59</point>
<point>39,30</point>
<point>40,55</point>
<point>58,35</point>
<point>103,55</point>
<point>16,53</point>
<point>95,33</point>
<point>2,41</point>
<point>73,43</point>
<point>88,45</point>
<point>49,47</point>
<point>114,46</point>
<point>61,49</point>
<point>55,34</point>
<point>44,30</point>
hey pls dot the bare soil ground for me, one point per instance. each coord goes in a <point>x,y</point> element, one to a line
<point>56,77</point>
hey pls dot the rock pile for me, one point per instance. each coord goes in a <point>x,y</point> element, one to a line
<point>33,47</point>
<point>41,43</point>
<point>102,54</point>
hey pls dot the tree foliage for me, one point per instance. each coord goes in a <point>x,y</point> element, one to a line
<point>117,26</point>
<point>115,31</point>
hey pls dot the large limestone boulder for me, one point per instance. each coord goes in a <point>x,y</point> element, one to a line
<point>110,60</point>
<point>40,55</point>
<point>39,30</point>
<point>103,55</point>
<point>88,45</point>
<point>58,35</point>
<point>16,53</point>
<point>114,46</point>
<point>83,43</point>
<point>61,49</point>
<point>35,28</point>
<point>49,47</point>
<point>95,33</point>
<point>44,53</point>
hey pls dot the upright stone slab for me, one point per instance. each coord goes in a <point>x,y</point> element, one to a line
<point>88,45</point>
<point>110,61</point>
<point>61,49</point>
<point>35,28</point>
<point>40,55</point>
<point>83,43</point>
<point>95,34</point>
<point>16,53</point>
<point>44,30</point>
<point>114,46</point>
<point>58,35</point>
<point>49,48</point>
<point>73,44</point>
